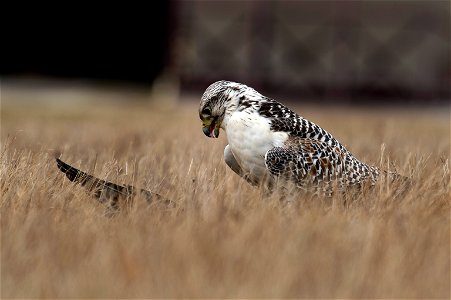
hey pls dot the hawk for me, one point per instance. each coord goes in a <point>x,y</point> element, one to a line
<point>269,145</point>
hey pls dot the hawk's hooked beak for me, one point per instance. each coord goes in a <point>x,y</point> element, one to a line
<point>210,127</point>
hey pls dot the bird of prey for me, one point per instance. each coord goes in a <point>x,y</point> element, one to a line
<point>269,144</point>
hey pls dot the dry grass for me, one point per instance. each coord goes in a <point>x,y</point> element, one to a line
<point>228,240</point>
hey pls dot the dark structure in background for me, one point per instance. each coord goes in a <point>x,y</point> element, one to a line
<point>348,50</point>
<point>354,51</point>
<point>119,42</point>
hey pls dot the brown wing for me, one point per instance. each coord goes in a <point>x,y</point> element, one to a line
<point>106,191</point>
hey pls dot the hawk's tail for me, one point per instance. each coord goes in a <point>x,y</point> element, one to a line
<point>105,191</point>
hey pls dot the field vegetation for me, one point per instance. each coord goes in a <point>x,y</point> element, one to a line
<point>224,239</point>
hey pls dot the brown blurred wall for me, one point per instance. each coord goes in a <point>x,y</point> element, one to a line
<point>357,50</point>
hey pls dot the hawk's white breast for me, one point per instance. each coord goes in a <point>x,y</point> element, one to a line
<point>250,137</point>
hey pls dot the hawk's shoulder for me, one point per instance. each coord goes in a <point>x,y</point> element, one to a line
<point>284,119</point>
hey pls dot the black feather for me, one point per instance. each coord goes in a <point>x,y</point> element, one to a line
<point>106,191</point>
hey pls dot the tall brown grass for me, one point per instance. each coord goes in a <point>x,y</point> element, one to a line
<point>224,239</point>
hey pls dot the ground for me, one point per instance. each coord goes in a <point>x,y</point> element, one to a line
<point>225,238</point>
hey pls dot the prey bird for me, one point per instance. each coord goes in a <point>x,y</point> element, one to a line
<point>269,145</point>
<point>108,192</point>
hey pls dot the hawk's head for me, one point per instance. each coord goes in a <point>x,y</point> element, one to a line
<point>218,99</point>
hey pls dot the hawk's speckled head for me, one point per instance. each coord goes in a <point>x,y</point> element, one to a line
<point>214,103</point>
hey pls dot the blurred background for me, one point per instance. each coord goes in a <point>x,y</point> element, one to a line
<point>355,52</point>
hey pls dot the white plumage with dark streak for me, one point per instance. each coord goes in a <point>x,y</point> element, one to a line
<point>269,143</point>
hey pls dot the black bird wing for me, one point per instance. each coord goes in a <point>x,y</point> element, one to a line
<point>106,191</point>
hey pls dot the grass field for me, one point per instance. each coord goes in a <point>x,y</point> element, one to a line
<point>224,239</point>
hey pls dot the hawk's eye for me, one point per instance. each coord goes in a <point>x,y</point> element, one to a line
<point>206,111</point>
